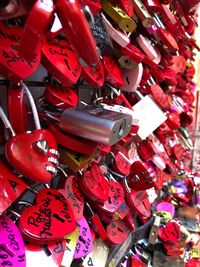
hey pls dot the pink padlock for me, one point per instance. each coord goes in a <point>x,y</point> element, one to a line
<point>166,206</point>
<point>84,244</point>
<point>12,251</point>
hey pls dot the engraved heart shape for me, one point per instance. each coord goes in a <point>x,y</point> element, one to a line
<point>50,219</point>
<point>12,66</point>
<point>12,251</point>
<point>25,144</point>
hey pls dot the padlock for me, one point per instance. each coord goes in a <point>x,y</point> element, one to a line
<point>78,145</point>
<point>76,161</point>
<point>115,198</point>
<point>113,73</point>
<point>61,61</point>
<point>94,75</point>
<point>35,29</point>
<point>71,191</point>
<point>12,248</point>
<point>96,123</point>
<point>124,22</point>
<point>170,232</point>
<point>94,185</point>
<point>132,78</point>
<point>17,100</point>
<point>121,163</point>
<point>84,242</point>
<point>50,219</point>
<point>117,232</point>
<point>102,37</point>
<point>12,66</point>
<point>95,221</point>
<point>150,51</point>
<point>61,97</point>
<point>39,146</point>
<point>143,14</point>
<point>75,27</point>
<point>154,231</point>
<point>138,201</point>
<point>11,186</point>
<point>118,36</point>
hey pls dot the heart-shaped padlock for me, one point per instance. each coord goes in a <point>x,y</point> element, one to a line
<point>84,243</point>
<point>138,201</point>
<point>12,66</point>
<point>17,100</point>
<point>171,233</point>
<point>142,176</point>
<point>94,75</point>
<point>113,73</point>
<point>74,196</point>
<point>39,147</point>
<point>94,185</point>
<point>61,97</point>
<point>12,251</point>
<point>50,255</point>
<point>159,96</point>
<point>34,29</point>
<point>115,198</point>
<point>117,232</point>
<point>10,185</point>
<point>79,145</point>
<point>60,61</point>
<point>51,218</point>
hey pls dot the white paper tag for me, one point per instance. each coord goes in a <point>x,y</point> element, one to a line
<point>150,116</point>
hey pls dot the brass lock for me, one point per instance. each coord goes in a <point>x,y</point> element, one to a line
<point>124,22</point>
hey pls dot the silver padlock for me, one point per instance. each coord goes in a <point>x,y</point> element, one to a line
<point>96,123</point>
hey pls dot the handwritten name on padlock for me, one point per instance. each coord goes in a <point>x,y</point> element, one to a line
<point>51,218</point>
<point>12,66</point>
<point>84,244</point>
<point>12,251</point>
<point>74,196</point>
<point>61,61</point>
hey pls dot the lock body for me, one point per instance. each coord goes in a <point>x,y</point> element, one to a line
<point>96,123</point>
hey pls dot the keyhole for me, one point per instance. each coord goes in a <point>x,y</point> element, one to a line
<point>127,80</point>
<point>82,240</point>
<point>119,229</point>
<point>57,217</point>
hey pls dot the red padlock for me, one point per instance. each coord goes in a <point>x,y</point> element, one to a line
<point>94,185</point>
<point>61,97</point>
<point>35,29</point>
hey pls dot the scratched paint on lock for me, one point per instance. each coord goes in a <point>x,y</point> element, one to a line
<point>12,66</point>
<point>12,251</point>
<point>84,244</point>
